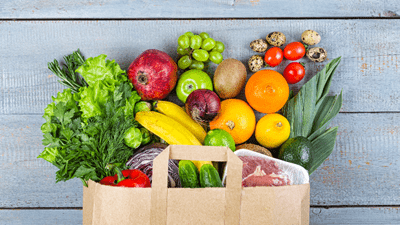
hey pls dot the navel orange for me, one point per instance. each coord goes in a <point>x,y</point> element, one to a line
<point>237,118</point>
<point>267,91</point>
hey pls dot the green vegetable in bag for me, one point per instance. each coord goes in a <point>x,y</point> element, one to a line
<point>209,176</point>
<point>188,174</point>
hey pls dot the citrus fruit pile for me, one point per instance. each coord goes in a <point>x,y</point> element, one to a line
<point>266,92</point>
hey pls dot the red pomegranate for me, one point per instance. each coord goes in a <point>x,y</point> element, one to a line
<point>153,74</point>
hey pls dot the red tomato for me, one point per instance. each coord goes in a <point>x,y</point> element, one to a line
<point>294,72</point>
<point>273,56</point>
<point>294,51</point>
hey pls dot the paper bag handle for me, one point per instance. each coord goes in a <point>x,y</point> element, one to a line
<point>159,192</point>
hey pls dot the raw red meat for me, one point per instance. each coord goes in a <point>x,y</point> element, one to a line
<point>262,172</point>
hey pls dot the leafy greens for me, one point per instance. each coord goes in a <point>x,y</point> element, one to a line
<point>310,111</point>
<point>67,73</point>
<point>84,130</point>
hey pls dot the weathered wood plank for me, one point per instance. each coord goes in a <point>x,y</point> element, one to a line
<point>363,169</point>
<point>367,74</point>
<point>43,217</point>
<point>25,180</point>
<point>196,9</point>
<point>318,216</point>
<point>373,216</point>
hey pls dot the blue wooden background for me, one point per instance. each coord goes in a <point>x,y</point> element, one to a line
<point>358,184</point>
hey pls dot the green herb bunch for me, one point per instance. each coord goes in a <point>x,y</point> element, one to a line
<point>86,123</point>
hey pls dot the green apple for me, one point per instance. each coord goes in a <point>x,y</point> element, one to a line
<point>192,80</point>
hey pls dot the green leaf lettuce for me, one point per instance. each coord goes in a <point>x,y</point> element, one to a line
<point>97,69</point>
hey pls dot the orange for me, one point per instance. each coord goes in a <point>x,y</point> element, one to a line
<point>272,130</point>
<point>236,117</point>
<point>267,91</point>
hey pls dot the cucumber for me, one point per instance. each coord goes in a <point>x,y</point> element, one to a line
<point>209,176</point>
<point>188,173</point>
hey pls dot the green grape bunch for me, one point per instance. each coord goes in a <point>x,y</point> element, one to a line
<point>195,50</point>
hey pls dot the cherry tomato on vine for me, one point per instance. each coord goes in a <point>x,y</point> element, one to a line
<point>273,56</point>
<point>294,51</point>
<point>294,72</point>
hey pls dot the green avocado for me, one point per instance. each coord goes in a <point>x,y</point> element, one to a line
<point>297,150</point>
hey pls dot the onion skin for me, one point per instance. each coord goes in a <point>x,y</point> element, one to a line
<point>203,105</point>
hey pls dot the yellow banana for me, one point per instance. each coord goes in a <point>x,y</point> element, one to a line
<point>166,128</point>
<point>169,130</point>
<point>198,164</point>
<point>174,111</point>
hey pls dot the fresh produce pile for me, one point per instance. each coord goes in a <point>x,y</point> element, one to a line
<point>109,124</point>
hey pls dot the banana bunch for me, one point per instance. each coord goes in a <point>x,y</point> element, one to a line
<point>173,125</point>
<point>177,113</point>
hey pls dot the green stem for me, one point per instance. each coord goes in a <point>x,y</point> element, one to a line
<point>120,176</point>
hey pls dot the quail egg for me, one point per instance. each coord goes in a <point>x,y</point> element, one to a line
<point>256,62</point>
<point>259,45</point>
<point>310,37</point>
<point>317,54</point>
<point>276,38</point>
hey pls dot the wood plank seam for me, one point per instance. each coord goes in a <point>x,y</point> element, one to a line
<point>209,18</point>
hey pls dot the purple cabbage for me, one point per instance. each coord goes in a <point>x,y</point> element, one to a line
<point>143,160</point>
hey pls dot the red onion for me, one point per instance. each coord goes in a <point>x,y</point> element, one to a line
<point>203,105</point>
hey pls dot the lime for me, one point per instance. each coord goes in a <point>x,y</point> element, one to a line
<point>297,150</point>
<point>219,137</point>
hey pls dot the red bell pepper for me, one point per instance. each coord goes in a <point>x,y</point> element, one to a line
<point>127,178</point>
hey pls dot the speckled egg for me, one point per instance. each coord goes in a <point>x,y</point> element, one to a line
<point>317,54</point>
<point>256,62</point>
<point>276,38</point>
<point>310,37</point>
<point>259,45</point>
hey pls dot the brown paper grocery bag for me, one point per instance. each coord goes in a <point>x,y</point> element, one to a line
<point>103,205</point>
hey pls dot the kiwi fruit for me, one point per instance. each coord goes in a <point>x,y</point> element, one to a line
<point>229,78</point>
